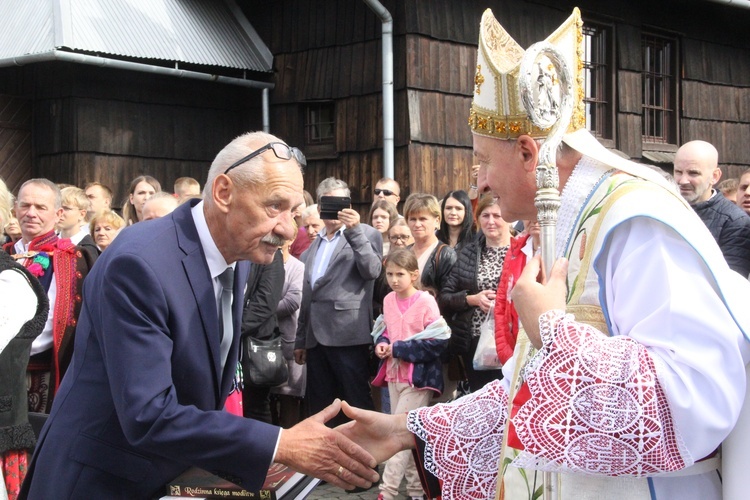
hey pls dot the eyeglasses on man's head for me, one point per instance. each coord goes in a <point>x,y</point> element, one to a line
<point>386,192</point>
<point>281,150</point>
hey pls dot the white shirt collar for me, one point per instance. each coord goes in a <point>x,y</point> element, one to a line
<point>20,246</point>
<point>336,233</point>
<point>214,259</point>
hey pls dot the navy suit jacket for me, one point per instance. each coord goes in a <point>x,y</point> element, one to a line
<point>143,398</point>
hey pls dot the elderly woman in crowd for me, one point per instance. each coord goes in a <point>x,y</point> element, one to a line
<point>287,407</point>
<point>141,189</point>
<point>467,298</point>
<point>457,225</point>
<point>382,214</point>
<point>104,228</point>
<point>399,234</point>
<point>23,312</point>
<point>301,242</point>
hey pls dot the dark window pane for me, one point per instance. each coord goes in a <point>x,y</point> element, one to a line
<point>659,120</point>
<point>597,82</point>
<point>319,123</point>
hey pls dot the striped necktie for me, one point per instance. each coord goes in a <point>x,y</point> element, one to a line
<point>227,328</point>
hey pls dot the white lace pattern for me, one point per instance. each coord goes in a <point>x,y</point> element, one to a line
<point>596,406</point>
<point>463,440</point>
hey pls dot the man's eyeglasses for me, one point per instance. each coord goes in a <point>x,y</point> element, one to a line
<point>281,150</point>
<point>395,238</point>
<point>386,192</point>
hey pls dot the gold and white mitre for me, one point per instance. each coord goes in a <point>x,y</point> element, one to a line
<point>497,110</point>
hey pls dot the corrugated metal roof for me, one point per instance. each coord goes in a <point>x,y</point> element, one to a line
<point>206,32</point>
<point>28,27</point>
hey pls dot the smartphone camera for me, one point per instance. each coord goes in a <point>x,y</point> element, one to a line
<point>330,206</point>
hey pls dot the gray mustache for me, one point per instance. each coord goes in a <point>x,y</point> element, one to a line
<point>272,239</point>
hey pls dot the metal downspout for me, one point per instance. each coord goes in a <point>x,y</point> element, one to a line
<point>388,119</point>
<point>57,55</point>
<point>266,114</point>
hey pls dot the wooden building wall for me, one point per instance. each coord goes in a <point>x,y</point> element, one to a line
<point>110,125</point>
<point>330,50</point>
<point>15,129</point>
<point>713,68</point>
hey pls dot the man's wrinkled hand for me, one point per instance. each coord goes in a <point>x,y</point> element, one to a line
<point>313,449</point>
<point>533,298</point>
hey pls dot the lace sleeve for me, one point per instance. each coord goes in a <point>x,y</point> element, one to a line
<point>463,441</point>
<point>596,406</point>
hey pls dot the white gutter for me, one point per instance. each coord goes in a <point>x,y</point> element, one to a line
<point>59,55</point>
<point>745,4</point>
<point>388,119</point>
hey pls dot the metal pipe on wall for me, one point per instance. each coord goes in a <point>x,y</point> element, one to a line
<point>59,55</point>
<point>388,111</point>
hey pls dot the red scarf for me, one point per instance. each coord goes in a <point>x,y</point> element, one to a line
<point>506,317</point>
<point>506,323</point>
<point>63,256</point>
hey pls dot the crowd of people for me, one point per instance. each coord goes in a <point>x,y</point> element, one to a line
<point>132,330</point>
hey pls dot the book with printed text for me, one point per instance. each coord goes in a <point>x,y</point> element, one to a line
<point>282,483</point>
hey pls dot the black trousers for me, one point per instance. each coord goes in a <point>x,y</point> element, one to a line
<point>338,372</point>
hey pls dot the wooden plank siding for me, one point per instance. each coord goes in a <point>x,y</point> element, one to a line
<point>15,140</point>
<point>117,170</point>
<point>337,57</point>
<point>112,125</point>
<point>716,101</point>
<point>104,124</point>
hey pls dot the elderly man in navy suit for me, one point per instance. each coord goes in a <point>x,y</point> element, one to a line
<point>333,333</point>
<point>143,399</point>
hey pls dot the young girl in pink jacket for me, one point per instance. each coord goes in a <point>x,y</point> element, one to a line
<point>409,337</point>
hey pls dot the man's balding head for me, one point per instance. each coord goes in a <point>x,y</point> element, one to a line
<point>696,170</point>
<point>159,205</point>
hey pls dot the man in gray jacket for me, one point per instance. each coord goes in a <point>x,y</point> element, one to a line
<point>333,334</point>
<point>696,171</point>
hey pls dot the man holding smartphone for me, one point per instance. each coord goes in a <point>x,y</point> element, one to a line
<point>333,334</point>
